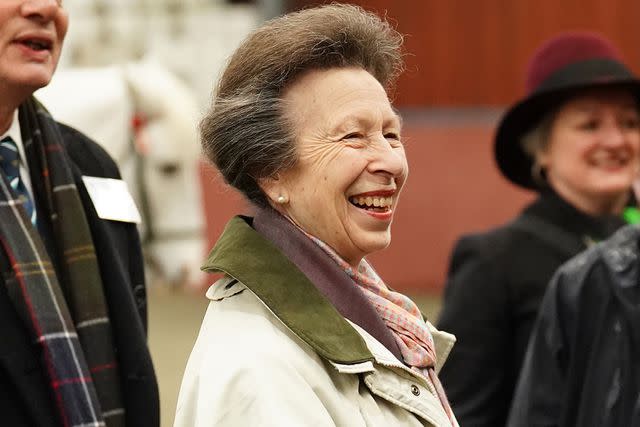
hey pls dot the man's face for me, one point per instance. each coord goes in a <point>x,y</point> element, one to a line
<point>31,36</point>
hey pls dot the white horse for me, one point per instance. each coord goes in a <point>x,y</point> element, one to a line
<point>145,118</point>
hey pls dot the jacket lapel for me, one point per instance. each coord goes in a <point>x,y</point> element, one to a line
<point>326,275</point>
<point>244,254</point>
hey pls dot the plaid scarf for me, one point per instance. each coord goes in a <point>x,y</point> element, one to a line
<point>60,300</point>
<point>402,316</point>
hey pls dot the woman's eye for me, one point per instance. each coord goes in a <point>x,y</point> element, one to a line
<point>589,125</point>
<point>632,123</point>
<point>353,135</point>
<point>392,135</point>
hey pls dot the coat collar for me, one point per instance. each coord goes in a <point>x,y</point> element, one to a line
<point>551,207</point>
<point>244,254</point>
<point>325,274</point>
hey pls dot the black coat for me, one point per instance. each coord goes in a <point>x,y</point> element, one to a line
<point>496,282</point>
<point>582,366</point>
<point>25,395</point>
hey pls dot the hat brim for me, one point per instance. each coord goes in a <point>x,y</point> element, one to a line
<point>514,163</point>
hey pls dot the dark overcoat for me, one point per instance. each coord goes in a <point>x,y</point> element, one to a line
<point>25,396</point>
<point>495,285</point>
<point>582,366</point>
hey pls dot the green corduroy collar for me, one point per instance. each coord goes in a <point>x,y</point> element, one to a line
<point>244,254</point>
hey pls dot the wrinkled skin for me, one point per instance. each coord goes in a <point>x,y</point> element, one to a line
<point>348,139</point>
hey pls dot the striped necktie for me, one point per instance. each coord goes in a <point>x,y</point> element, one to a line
<point>10,165</point>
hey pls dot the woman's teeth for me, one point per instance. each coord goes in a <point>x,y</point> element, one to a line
<point>612,161</point>
<point>369,202</point>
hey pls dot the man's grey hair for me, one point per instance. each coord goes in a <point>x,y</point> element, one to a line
<point>246,133</point>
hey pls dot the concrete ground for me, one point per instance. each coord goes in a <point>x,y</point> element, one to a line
<point>174,321</point>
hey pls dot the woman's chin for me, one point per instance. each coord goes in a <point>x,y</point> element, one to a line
<point>613,187</point>
<point>371,243</point>
<point>606,183</point>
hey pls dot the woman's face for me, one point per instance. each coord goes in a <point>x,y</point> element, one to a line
<point>352,164</point>
<point>592,156</point>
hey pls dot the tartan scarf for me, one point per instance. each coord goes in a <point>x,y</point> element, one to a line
<point>402,316</point>
<point>60,300</point>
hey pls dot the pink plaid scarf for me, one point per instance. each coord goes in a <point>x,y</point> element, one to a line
<point>402,316</point>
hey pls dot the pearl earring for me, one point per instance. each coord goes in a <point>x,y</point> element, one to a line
<point>281,199</point>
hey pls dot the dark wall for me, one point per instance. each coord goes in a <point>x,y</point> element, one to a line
<point>474,52</point>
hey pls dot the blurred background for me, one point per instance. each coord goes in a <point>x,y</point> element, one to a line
<point>136,75</point>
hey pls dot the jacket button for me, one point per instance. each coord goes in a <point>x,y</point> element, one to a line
<point>415,390</point>
<point>140,296</point>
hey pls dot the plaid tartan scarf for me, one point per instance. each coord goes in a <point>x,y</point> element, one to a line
<point>64,307</point>
<point>402,316</point>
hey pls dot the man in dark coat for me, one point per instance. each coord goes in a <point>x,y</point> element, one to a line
<point>583,367</point>
<point>72,293</point>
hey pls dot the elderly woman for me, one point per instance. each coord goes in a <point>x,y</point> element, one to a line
<point>301,331</point>
<point>575,139</point>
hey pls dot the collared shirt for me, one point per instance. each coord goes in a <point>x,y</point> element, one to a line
<point>14,133</point>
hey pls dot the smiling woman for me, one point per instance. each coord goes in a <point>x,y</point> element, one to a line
<point>301,330</point>
<point>574,139</point>
<point>350,158</point>
<point>593,150</point>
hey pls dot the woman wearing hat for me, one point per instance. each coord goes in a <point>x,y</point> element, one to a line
<point>574,139</point>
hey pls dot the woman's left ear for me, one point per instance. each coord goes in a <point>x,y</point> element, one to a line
<point>543,159</point>
<point>275,190</point>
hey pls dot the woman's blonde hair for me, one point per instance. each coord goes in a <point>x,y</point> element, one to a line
<point>535,142</point>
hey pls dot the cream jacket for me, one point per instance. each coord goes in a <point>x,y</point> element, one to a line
<point>305,366</point>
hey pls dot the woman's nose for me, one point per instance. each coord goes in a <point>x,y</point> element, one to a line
<point>614,133</point>
<point>388,159</point>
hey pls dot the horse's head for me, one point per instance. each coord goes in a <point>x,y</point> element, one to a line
<point>158,157</point>
<point>168,185</point>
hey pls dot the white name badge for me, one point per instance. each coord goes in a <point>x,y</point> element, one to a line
<point>112,199</point>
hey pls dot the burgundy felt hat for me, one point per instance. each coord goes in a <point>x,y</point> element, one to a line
<point>564,64</point>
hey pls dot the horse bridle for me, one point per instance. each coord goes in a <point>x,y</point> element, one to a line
<point>151,235</point>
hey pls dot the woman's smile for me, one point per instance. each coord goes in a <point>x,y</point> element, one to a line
<point>351,166</point>
<point>378,204</point>
<point>612,160</point>
<point>593,154</point>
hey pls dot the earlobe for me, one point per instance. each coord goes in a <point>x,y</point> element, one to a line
<point>542,159</point>
<point>274,189</point>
